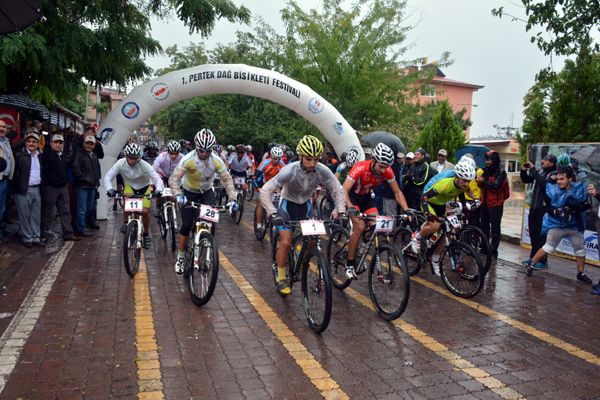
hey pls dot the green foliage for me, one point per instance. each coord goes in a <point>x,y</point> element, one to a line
<point>570,24</point>
<point>350,57</point>
<point>102,42</point>
<point>442,132</point>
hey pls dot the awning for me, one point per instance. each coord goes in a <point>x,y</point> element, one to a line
<point>23,103</point>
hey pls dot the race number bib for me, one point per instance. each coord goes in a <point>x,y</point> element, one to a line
<point>384,224</point>
<point>167,192</point>
<point>312,228</point>
<point>132,205</point>
<point>239,180</point>
<point>454,221</point>
<point>209,214</point>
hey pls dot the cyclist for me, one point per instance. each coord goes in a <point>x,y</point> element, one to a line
<point>358,187</point>
<point>251,156</point>
<point>228,152</point>
<point>195,173</point>
<point>150,152</point>
<point>218,149</point>
<point>239,163</point>
<point>438,192</point>
<point>265,172</point>
<point>297,181</point>
<point>138,176</point>
<point>344,167</point>
<point>165,164</point>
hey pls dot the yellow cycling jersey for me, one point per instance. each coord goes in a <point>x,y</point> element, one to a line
<point>474,187</point>
<point>196,175</point>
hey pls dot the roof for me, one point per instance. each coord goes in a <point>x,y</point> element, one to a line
<point>23,103</point>
<point>451,82</point>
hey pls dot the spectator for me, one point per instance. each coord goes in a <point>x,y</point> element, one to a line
<point>565,216</point>
<point>495,190</point>
<point>6,173</point>
<point>54,189</point>
<point>86,169</point>
<point>390,205</point>
<point>368,153</point>
<point>418,175</point>
<point>410,160</point>
<point>593,192</point>
<point>537,207</point>
<point>442,164</point>
<point>26,183</point>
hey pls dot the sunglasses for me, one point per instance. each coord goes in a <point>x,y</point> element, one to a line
<point>202,151</point>
<point>173,154</point>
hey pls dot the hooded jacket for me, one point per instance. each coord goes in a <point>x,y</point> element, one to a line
<point>572,201</point>
<point>493,194</point>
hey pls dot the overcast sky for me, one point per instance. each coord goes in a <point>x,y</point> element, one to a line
<point>486,50</point>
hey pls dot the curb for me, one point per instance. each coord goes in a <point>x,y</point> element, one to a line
<point>512,239</point>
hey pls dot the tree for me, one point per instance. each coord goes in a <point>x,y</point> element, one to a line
<point>570,24</point>
<point>101,42</point>
<point>350,57</point>
<point>442,132</point>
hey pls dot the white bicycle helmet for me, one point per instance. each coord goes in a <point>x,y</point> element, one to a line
<point>173,146</point>
<point>468,160</point>
<point>132,150</point>
<point>351,157</point>
<point>204,139</point>
<point>276,152</point>
<point>465,170</point>
<point>383,154</point>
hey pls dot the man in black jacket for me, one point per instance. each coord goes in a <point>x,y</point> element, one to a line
<point>54,189</point>
<point>26,185</point>
<point>537,208</point>
<point>86,169</point>
<point>418,175</point>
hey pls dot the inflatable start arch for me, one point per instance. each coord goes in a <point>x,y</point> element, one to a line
<point>152,96</point>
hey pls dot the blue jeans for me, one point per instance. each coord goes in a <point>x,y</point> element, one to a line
<point>3,198</point>
<point>85,205</point>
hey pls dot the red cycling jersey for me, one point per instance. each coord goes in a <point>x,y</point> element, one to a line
<point>364,179</point>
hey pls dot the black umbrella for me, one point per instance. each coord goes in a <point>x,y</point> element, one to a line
<point>15,18</point>
<point>589,155</point>
<point>392,141</point>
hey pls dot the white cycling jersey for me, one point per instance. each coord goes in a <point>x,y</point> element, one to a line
<point>196,175</point>
<point>140,175</point>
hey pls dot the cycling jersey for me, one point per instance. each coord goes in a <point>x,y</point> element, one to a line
<point>441,189</point>
<point>297,186</point>
<point>196,175</point>
<point>267,170</point>
<point>365,180</point>
<point>342,170</point>
<point>140,175</point>
<point>239,164</point>
<point>164,165</point>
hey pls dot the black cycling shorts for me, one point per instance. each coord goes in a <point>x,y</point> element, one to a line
<point>188,214</point>
<point>291,211</point>
<point>363,203</point>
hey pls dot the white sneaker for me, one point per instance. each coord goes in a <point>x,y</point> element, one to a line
<point>415,244</point>
<point>350,273</point>
<point>179,265</point>
<point>436,268</point>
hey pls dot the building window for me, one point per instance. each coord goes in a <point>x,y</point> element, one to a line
<point>428,91</point>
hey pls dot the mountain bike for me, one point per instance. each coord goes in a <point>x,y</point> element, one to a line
<point>220,193</point>
<point>238,181</point>
<point>167,218</point>
<point>388,279</point>
<point>251,188</point>
<point>474,236</point>
<point>202,256</point>
<point>461,269</point>
<point>306,263</point>
<point>133,241</point>
<point>266,220</point>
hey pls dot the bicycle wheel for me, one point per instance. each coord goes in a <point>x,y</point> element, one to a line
<point>203,275</point>
<point>337,252</point>
<point>132,248</point>
<point>402,239</point>
<point>474,237</point>
<point>461,269</point>
<point>162,224</point>
<point>289,264</point>
<point>237,215</point>
<point>325,207</point>
<point>389,282</point>
<point>250,192</point>
<point>171,225</point>
<point>260,235</point>
<point>316,290</point>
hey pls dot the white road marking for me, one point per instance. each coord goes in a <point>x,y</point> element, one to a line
<point>14,338</point>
